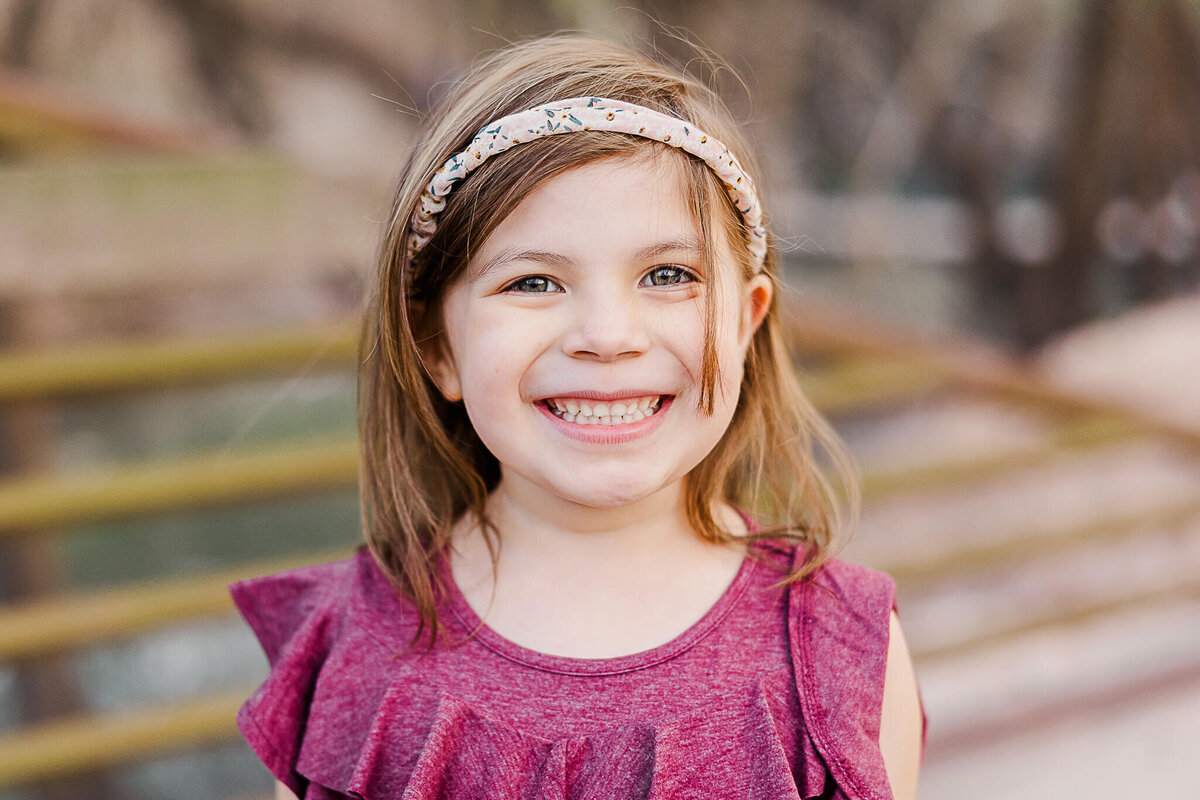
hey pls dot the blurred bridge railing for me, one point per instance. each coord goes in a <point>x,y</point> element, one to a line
<point>865,381</point>
<point>46,505</point>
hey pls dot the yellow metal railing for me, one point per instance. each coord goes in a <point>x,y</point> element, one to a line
<point>40,375</point>
<point>41,504</point>
<point>67,621</point>
<point>38,502</point>
<point>72,745</point>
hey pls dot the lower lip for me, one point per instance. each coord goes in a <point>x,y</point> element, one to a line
<point>608,434</point>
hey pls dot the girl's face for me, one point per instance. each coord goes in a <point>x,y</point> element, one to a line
<point>575,336</point>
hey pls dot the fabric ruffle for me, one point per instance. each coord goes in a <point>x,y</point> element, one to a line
<point>324,734</point>
<point>294,615</point>
<point>467,754</point>
<point>835,623</point>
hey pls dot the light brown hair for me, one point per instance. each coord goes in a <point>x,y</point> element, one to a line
<point>422,465</point>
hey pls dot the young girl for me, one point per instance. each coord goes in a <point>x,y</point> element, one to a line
<point>598,557</point>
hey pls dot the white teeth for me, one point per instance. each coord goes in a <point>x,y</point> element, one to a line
<point>622,413</point>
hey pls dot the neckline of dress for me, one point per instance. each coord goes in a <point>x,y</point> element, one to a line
<point>474,628</point>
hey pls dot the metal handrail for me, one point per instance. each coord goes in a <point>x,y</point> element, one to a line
<point>40,502</point>
<point>66,621</point>
<point>88,742</point>
<point>44,374</point>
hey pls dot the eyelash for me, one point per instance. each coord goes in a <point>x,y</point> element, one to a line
<point>682,272</point>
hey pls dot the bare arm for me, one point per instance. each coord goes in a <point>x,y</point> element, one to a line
<point>900,723</point>
<point>283,793</point>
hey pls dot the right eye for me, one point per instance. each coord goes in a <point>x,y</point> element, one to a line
<point>533,284</point>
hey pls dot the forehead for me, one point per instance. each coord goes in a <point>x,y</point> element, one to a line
<point>606,208</point>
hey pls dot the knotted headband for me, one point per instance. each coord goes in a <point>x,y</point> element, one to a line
<point>589,114</point>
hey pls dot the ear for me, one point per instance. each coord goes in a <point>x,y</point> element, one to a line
<point>757,302</point>
<point>442,369</point>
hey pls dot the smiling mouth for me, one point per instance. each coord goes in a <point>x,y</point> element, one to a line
<point>592,412</point>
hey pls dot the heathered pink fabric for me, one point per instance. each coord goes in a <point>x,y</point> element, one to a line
<point>774,693</point>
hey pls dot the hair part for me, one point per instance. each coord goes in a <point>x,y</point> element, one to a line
<point>422,465</point>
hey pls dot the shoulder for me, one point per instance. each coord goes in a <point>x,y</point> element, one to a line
<point>835,583</point>
<point>837,598</point>
<point>846,584</point>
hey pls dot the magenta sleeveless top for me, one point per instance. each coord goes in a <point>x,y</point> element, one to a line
<point>774,693</point>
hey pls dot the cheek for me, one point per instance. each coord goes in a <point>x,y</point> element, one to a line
<point>496,355</point>
<point>689,341</point>
<point>681,329</point>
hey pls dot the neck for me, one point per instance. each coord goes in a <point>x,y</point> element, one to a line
<point>538,528</point>
<point>527,517</point>
<point>564,569</point>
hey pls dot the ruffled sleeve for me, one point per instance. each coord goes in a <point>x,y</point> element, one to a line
<point>294,614</point>
<point>839,637</point>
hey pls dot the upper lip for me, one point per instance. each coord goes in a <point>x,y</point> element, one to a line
<point>591,394</point>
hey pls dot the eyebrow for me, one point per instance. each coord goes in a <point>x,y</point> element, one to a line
<point>513,254</point>
<point>686,244</point>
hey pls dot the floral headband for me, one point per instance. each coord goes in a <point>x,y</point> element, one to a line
<point>589,114</point>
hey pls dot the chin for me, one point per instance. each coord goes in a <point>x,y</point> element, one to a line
<point>612,497</point>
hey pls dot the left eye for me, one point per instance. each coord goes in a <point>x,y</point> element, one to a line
<point>533,284</point>
<point>667,276</point>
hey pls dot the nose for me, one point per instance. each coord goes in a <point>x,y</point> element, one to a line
<point>606,326</point>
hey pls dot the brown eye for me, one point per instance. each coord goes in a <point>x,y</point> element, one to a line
<point>667,276</point>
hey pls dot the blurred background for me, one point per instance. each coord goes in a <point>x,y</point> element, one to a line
<point>991,217</point>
